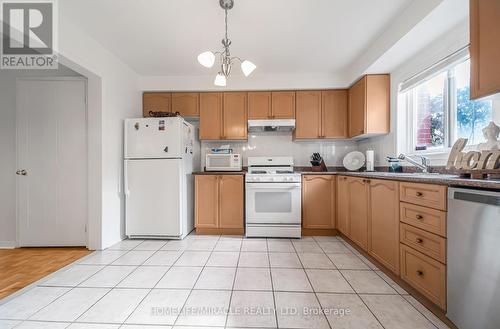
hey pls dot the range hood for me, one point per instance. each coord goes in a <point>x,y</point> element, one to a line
<point>271,125</point>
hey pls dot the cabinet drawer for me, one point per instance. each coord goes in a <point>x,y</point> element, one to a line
<point>427,219</point>
<point>430,244</point>
<point>424,274</point>
<point>428,195</point>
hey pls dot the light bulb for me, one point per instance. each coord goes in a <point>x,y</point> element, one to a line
<point>206,59</point>
<point>220,80</point>
<point>247,67</point>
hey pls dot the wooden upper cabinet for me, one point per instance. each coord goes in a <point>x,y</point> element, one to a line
<point>334,114</point>
<point>259,105</point>
<point>369,106</point>
<point>235,115</point>
<point>318,201</point>
<point>358,211</point>
<point>308,115</point>
<point>342,206</point>
<point>187,104</point>
<point>484,47</point>
<point>206,201</point>
<point>231,201</point>
<point>210,116</point>
<point>156,102</point>
<point>283,104</point>
<point>383,222</point>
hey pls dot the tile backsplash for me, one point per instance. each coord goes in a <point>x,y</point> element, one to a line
<point>281,144</point>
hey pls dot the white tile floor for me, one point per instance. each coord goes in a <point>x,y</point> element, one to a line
<point>219,282</point>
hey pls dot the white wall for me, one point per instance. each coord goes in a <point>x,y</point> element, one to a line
<point>8,146</point>
<point>281,144</point>
<point>442,46</point>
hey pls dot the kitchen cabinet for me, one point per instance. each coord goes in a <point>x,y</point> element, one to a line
<point>342,206</point>
<point>357,201</point>
<point>318,201</point>
<point>369,106</point>
<point>234,116</point>
<point>211,116</point>
<point>484,47</point>
<point>308,115</point>
<point>219,204</point>
<point>383,222</point>
<point>334,114</point>
<point>187,104</point>
<point>271,105</point>
<point>283,104</point>
<point>223,116</point>
<point>321,114</point>
<point>156,102</point>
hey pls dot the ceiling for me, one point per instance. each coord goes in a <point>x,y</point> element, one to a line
<point>296,37</point>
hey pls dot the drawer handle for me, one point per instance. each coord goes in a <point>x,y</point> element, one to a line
<point>419,194</point>
<point>420,273</point>
<point>419,217</point>
<point>419,240</point>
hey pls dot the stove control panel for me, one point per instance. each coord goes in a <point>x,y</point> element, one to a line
<point>278,178</point>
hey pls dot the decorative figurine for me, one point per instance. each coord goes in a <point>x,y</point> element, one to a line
<point>490,132</point>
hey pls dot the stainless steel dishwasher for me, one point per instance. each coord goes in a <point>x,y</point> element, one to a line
<point>473,267</point>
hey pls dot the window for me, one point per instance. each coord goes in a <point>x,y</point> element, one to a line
<point>440,111</point>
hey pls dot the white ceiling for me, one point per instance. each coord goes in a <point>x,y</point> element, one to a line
<point>287,37</point>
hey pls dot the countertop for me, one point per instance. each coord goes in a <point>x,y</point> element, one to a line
<point>439,179</point>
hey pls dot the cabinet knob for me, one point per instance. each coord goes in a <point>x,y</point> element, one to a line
<point>420,273</point>
<point>419,194</point>
<point>419,240</point>
<point>419,216</point>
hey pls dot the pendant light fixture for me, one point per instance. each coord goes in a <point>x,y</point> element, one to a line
<point>207,58</point>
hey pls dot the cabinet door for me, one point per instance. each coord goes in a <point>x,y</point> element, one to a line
<point>259,105</point>
<point>156,102</point>
<point>484,47</point>
<point>187,104</point>
<point>210,116</point>
<point>358,211</point>
<point>342,206</point>
<point>383,222</point>
<point>283,105</point>
<point>308,115</point>
<point>206,201</point>
<point>318,201</point>
<point>334,114</point>
<point>235,115</point>
<point>357,108</point>
<point>231,203</point>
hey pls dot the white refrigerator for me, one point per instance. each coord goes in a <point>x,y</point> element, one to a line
<point>160,156</point>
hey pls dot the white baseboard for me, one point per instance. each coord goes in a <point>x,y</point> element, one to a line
<point>8,244</point>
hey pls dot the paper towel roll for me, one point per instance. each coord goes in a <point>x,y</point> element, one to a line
<point>370,156</point>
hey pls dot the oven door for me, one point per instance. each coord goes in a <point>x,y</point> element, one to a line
<point>273,203</point>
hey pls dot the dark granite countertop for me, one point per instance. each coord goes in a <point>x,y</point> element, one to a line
<point>432,178</point>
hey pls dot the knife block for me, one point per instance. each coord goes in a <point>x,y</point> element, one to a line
<point>320,168</point>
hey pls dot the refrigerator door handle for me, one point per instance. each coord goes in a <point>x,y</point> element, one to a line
<point>125,179</point>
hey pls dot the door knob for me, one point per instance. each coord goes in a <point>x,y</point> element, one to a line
<point>21,172</point>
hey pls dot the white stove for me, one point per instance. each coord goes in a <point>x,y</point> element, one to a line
<point>273,198</point>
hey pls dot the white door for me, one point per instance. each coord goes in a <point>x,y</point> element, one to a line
<point>153,201</point>
<point>52,162</point>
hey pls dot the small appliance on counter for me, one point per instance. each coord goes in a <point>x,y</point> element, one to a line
<point>223,162</point>
<point>318,165</point>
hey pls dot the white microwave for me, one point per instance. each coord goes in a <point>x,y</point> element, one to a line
<point>223,162</point>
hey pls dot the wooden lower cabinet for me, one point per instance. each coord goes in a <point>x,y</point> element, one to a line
<point>318,202</point>
<point>357,201</point>
<point>425,274</point>
<point>219,204</point>
<point>383,222</point>
<point>342,206</point>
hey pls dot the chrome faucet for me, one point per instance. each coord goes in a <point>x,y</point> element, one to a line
<point>423,164</point>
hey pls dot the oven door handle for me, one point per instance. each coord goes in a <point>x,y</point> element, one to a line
<point>274,186</point>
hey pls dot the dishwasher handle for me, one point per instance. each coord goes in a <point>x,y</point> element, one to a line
<point>476,196</point>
